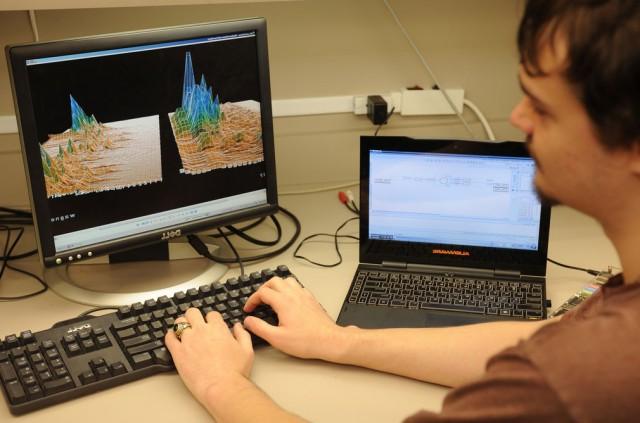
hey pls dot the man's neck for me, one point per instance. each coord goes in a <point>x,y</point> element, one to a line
<point>624,233</point>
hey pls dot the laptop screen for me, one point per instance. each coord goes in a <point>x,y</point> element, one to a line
<point>458,199</point>
<point>452,203</point>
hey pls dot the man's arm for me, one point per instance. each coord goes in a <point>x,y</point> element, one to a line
<point>447,356</point>
<point>242,401</point>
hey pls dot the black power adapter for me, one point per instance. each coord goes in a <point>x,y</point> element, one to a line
<point>376,109</point>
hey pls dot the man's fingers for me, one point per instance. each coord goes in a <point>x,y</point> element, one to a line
<point>243,337</point>
<point>266,295</point>
<point>215,318</point>
<point>172,342</point>
<point>194,317</point>
<point>261,328</point>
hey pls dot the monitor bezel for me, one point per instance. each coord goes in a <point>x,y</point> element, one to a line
<point>17,56</point>
<point>529,262</point>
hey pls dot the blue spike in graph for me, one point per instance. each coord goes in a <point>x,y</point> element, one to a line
<point>79,118</point>
<point>197,100</point>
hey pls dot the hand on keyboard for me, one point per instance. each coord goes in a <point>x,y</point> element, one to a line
<point>305,329</point>
<point>209,356</point>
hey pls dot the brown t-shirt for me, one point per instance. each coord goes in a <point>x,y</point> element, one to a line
<point>584,368</point>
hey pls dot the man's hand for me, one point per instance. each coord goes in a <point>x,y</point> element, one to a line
<point>305,329</point>
<point>208,356</point>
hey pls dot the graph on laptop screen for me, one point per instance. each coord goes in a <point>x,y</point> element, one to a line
<point>484,201</point>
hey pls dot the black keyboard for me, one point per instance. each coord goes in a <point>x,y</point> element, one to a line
<point>512,299</point>
<point>88,354</point>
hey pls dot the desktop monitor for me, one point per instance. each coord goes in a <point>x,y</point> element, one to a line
<point>134,138</point>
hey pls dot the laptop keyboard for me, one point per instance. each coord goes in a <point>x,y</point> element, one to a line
<point>512,299</point>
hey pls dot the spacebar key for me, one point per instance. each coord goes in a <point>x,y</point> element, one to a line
<point>452,307</point>
<point>58,385</point>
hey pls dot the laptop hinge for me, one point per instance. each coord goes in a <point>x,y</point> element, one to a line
<point>394,264</point>
<point>507,274</point>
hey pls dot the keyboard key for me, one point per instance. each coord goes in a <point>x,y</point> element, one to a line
<point>16,392</point>
<point>87,377</point>
<point>145,347</point>
<point>102,372</point>
<point>126,323</point>
<point>11,341</point>
<point>7,372</point>
<point>117,368</point>
<point>34,392</point>
<point>136,341</point>
<point>126,333</point>
<point>534,315</point>
<point>56,362</point>
<point>45,376</point>
<point>26,337</point>
<point>142,360</point>
<point>162,356</point>
<point>58,385</point>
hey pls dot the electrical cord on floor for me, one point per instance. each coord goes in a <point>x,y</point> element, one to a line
<point>335,236</point>
<point>202,249</point>
<point>582,269</point>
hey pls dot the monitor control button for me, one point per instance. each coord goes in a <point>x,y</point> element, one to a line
<point>79,256</point>
<point>89,253</point>
<point>58,260</point>
<point>70,258</point>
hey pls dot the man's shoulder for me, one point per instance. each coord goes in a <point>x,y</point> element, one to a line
<point>590,363</point>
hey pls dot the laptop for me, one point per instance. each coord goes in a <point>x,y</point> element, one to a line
<point>451,233</point>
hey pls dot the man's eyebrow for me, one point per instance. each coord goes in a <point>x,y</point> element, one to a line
<point>529,94</point>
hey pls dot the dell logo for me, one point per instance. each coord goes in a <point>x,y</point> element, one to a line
<point>171,234</point>
<point>77,328</point>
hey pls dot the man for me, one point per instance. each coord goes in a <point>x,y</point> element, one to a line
<point>580,73</point>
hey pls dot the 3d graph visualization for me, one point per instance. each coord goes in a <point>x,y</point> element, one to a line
<point>92,156</point>
<point>211,135</point>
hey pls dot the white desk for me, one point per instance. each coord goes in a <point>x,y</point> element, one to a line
<point>317,391</point>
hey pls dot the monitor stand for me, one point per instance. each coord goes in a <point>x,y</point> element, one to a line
<point>132,276</point>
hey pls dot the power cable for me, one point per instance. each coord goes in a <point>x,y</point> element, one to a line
<point>582,269</point>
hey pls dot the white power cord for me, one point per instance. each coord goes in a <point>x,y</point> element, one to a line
<point>483,121</point>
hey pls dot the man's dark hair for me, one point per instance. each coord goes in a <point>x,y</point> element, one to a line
<point>603,58</point>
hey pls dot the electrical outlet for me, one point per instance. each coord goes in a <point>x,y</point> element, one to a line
<point>360,102</point>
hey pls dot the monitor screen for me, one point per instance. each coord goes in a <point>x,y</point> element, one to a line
<point>484,201</point>
<point>133,138</point>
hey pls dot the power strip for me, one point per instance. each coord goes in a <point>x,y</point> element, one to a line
<point>600,279</point>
